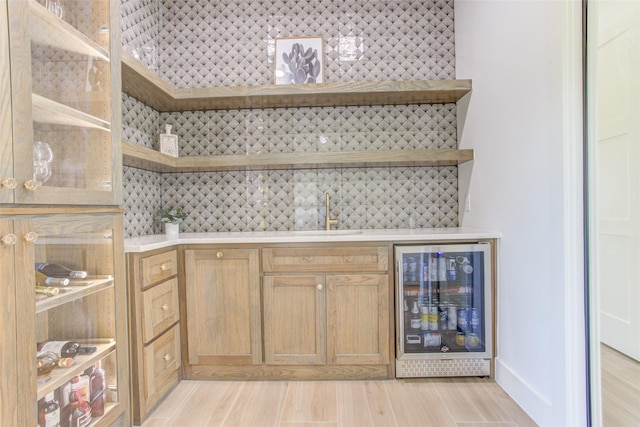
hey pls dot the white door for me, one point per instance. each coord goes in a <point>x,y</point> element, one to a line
<point>618,175</point>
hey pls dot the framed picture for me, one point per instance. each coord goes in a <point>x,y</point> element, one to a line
<point>299,60</point>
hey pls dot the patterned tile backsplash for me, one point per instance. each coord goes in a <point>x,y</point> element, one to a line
<point>195,43</point>
<point>200,43</point>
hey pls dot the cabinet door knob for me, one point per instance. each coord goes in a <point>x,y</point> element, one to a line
<point>9,239</point>
<point>164,267</point>
<point>31,237</point>
<point>30,185</point>
<point>319,286</point>
<point>164,307</point>
<point>9,183</point>
<point>166,357</point>
<point>219,254</point>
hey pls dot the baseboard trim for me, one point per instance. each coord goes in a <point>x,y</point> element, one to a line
<point>528,398</point>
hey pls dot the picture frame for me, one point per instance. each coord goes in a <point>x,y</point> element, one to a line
<point>299,60</point>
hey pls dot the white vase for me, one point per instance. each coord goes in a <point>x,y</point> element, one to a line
<point>171,230</point>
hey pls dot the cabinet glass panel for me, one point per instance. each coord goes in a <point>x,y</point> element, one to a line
<point>75,302</point>
<point>77,81</point>
<point>444,299</point>
<point>62,86</point>
<point>87,17</point>
<point>79,158</point>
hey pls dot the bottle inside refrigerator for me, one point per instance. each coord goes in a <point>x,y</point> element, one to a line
<point>444,318</point>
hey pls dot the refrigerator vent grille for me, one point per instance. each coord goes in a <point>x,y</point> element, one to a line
<point>442,368</point>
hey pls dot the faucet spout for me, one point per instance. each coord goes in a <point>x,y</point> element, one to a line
<point>328,222</point>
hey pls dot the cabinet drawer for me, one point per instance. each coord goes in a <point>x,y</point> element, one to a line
<point>325,259</point>
<point>160,309</point>
<point>162,358</point>
<point>157,268</point>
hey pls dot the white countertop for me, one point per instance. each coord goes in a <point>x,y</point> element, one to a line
<point>158,241</point>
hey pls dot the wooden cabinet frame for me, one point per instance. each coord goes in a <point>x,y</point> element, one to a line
<point>154,328</point>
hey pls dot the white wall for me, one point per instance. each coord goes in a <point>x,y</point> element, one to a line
<point>523,122</point>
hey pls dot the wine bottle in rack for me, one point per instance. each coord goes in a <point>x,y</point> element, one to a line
<point>46,361</point>
<point>60,348</point>
<point>44,280</point>
<point>47,290</point>
<point>53,269</point>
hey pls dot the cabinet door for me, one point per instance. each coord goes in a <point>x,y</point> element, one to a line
<point>358,319</point>
<point>91,311</point>
<point>65,96</point>
<point>294,320</point>
<point>223,306</point>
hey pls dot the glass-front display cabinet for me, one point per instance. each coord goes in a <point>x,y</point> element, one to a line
<point>70,312</point>
<point>64,98</point>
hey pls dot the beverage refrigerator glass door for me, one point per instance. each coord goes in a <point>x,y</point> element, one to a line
<point>444,307</point>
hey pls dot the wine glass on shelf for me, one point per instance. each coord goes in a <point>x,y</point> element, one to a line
<point>55,7</point>
<point>42,159</point>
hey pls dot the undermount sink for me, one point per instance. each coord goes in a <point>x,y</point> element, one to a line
<point>330,232</point>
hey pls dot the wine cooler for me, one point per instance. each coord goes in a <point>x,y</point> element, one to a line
<point>444,310</point>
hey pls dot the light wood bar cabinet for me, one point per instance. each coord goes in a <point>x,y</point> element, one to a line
<point>60,197</point>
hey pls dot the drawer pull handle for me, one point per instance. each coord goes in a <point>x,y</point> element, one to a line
<point>165,267</point>
<point>164,307</point>
<point>319,286</point>
<point>9,239</point>
<point>166,357</point>
<point>220,255</point>
<point>9,183</point>
<point>31,236</point>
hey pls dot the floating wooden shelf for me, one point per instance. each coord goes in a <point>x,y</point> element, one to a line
<point>144,85</point>
<point>148,159</point>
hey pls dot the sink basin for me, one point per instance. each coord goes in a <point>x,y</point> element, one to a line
<point>329,233</point>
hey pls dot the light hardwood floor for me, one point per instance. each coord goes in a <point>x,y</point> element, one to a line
<point>620,389</point>
<point>461,402</point>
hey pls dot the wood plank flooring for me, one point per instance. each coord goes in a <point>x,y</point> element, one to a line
<point>620,389</point>
<point>441,402</point>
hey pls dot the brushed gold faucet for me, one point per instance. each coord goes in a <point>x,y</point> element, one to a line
<point>328,222</point>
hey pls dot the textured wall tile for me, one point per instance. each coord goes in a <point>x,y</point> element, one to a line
<point>140,22</point>
<point>230,43</point>
<point>140,123</point>
<point>142,200</point>
<point>198,43</point>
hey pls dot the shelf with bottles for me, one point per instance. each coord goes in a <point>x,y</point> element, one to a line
<point>72,266</point>
<point>77,288</point>
<point>89,393</point>
<point>443,288</point>
<point>59,376</point>
<point>451,325</point>
<point>453,341</point>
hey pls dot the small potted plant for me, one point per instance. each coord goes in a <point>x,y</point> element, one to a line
<point>171,217</point>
